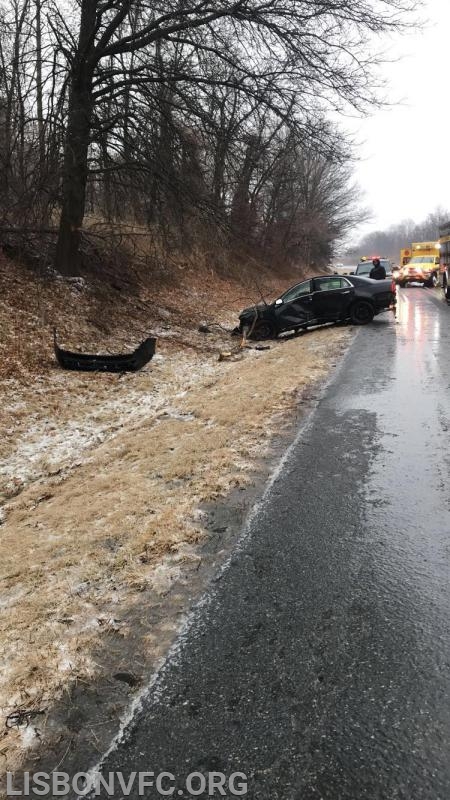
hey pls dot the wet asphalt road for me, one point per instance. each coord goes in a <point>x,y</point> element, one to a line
<point>319,665</point>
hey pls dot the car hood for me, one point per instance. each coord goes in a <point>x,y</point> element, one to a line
<point>250,311</point>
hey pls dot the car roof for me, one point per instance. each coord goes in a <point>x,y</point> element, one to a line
<point>328,275</point>
<point>314,277</point>
<point>371,260</point>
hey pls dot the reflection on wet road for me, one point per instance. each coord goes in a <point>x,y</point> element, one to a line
<point>320,664</point>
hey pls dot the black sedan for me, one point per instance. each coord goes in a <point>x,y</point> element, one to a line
<point>327,298</point>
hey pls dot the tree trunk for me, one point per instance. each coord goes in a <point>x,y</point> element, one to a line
<point>39,93</point>
<point>220,153</point>
<point>78,133</point>
<point>42,201</point>
<point>74,183</point>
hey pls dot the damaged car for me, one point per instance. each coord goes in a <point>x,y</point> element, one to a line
<point>326,298</point>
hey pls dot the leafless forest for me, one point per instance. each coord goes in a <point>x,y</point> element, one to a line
<point>397,236</point>
<point>200,121</point>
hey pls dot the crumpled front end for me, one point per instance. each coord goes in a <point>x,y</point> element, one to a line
<point>248,317</point>
<point>417,273</point>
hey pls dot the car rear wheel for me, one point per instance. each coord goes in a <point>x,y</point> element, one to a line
<point>263,330</point>
<point>361,313</point>
<point>432,282</point>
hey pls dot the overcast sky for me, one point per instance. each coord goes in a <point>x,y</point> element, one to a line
<point>404,167</point>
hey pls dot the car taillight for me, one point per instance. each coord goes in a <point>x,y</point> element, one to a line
<point>393,287</point>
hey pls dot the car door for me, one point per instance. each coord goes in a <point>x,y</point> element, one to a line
<point>294,308</point>
<point>331,297</point>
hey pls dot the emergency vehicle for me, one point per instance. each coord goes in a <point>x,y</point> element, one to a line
<point>444,241</point>
<point>423,266</point>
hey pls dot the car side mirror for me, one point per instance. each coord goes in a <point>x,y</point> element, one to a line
<point>279,302</point>
<point>351,273</point>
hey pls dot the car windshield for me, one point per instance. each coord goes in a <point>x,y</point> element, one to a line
<point>364,267</point>
<point>422,260</point>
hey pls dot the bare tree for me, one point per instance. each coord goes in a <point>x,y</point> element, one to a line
<point>186,117</point>
<point>389,242</point>
<point>316,48</point>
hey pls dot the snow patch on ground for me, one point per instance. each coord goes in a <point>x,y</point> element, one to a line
<point>48,446</point>
<point>29,737</point>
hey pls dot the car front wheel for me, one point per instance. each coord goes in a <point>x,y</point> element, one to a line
<point>263,330</point>
<point>361,313</point>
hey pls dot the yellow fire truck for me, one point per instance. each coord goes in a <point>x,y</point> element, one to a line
<point>444,241</point>
<point>422,266</point>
